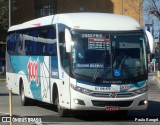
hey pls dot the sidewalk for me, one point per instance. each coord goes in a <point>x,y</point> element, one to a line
<point>154,76</point>
<point>2,81</point>
<point>2,78</point>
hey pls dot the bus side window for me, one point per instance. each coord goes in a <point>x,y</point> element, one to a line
<point>64,55</point>
<point>34,48</point>
<point>52,33</point>
<point>54,50</point>
<point>11,46</point>
<point>34,42</point>
<point>40,48</point>
<point>42,38</point>
<point>49,35</point>
<point>10,43</point>
<point>26,36</point>
<point>19,44</point>
<point>52,46</point>
<point>27,47</point>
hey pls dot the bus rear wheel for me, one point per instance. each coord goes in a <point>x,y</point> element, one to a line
<point>24,99</point>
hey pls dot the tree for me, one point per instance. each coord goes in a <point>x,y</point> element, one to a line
<point>152,14</point>
<point>4,10</point>
<point>153,8</point>
<point>4,16</point>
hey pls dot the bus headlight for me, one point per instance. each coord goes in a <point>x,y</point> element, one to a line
<point>80,89</point>
<point>141,90</point>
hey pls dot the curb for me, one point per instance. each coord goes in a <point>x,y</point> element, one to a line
<point>4,114</point>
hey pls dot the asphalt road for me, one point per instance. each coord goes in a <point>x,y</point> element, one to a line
<point>48,115</point>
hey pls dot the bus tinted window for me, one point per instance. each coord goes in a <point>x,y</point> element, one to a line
<point>15,44</point>
<point>36,41</point>
<point>11,43</point>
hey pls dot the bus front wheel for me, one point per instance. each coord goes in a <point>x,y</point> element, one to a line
<point>61,111</point>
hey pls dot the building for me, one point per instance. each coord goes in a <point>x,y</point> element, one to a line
<point>31,9</point>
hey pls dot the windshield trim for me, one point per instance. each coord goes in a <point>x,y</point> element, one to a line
<point>107,31</point>
<point>113,79</point>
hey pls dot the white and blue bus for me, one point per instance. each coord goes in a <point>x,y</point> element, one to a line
<point>80,61</point>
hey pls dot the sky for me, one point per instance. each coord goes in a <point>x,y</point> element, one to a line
<point>150,19</point>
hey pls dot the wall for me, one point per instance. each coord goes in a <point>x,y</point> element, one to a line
<point>26,9</point>
<point>84,5</point>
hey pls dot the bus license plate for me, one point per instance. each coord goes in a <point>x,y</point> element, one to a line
<point>112,108</point>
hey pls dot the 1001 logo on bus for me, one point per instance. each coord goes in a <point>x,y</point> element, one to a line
<point>33,71</point>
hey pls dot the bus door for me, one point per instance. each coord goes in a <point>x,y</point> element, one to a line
<point>64,72</point>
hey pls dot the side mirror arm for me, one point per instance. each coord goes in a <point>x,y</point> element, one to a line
<point>150,41</point>
<point>68,40</point>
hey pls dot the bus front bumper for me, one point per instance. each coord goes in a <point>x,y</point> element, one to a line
<point>80,101</point>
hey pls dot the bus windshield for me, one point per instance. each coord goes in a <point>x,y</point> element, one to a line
<point>108,56</point>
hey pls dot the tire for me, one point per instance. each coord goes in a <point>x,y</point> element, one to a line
<point>61,111</point>
<point>24,99</point>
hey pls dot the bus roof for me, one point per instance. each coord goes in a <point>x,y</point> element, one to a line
<point>86,21</point>
<point>33,23</point>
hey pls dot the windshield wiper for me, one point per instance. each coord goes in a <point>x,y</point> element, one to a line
<point>122,66</point>
<point>98,69</point>
<point>101,61</point>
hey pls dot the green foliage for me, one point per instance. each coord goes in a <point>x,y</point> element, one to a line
<point>4,17</point>
<point>4,13</point>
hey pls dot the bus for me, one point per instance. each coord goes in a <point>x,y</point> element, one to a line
<point>80,61</point>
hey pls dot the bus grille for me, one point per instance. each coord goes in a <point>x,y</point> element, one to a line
<point>112,103</point>
<point>108,95</point>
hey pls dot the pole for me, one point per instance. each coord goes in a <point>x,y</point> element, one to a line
<point>10,91</point>
<point>10,106</point>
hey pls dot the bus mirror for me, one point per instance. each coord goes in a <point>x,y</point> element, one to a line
<point>151,42</point>
<point>68,40</point>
